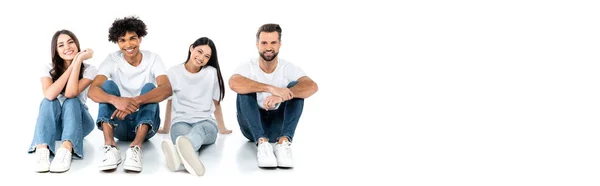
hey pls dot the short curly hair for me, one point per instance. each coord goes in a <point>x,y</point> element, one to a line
<point>127,24</point>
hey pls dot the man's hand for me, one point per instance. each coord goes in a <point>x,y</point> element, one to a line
<point>119,114</point>
<point>271,102</point>
<point>284,93</point>
<point>137,100</point>
<point>126,105</point>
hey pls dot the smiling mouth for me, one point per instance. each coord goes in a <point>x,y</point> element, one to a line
<point>129,50</point>
<point>69,52</point>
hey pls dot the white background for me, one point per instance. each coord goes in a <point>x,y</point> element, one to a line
<point>411,93</point>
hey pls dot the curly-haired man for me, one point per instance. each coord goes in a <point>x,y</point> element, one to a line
<point>129,85</point>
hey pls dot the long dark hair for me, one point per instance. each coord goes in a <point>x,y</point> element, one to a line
<point>58,63</point>
<point>213,61</point>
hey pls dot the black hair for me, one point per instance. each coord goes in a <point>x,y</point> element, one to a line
<point>213,61</point>
<point>127,24</point>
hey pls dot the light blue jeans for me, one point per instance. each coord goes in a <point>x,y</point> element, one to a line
<point>69,122</point>
<point>203,132</point>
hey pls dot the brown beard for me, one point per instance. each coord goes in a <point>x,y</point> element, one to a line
<point>262,55</point>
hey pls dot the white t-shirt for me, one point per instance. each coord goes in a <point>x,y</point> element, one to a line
<point>130,79</point>
<point>89,72</point>
<point>193,93</point>
<point>284,73</point>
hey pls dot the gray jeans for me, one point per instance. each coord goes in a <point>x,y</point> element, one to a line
<point>200,133</point>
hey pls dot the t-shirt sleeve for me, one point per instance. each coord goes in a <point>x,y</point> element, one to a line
<point>243,70</point>
<point>293,73</point>
<point>216,88</point>
<point>45,71</point>
<point>159,67</point>
<point>173,80</point>
<point>90,72</point>
<point>106,67</point>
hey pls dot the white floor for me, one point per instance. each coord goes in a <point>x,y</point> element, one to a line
<point>231,156</point>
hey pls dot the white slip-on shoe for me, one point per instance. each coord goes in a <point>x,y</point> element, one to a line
<point>42,160</point>
<point>188,156</point>
<point>171,155</point>
<point>61,161</point>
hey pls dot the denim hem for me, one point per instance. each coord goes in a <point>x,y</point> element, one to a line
<point>32,148</point>
<point>148,122</point>
<point>76,155</point>
<point>287,136</point>
<point>105,119</point>
<point>256,140</point>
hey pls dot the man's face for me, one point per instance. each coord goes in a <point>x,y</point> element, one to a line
<point>129,44</point>
<point>268,45</point>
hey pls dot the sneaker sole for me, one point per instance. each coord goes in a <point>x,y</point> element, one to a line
<point>268,165</point>
<point>285,165</point>
<point>42,170</point>
<point>169,152</point>
<point>132,168</point>
<point>59,170</point>
<point>189,158</point>
<point>109,167</point>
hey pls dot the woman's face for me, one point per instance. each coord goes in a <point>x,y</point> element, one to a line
<point>66,47</point>
<point>200,55</point>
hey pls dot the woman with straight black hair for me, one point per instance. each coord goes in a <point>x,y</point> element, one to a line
<point>198,89</point>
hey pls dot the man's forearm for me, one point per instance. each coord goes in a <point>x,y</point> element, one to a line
<point>156,95</point>
<point>304,89</point>
<point>243,85</point>
<point>99,96</point>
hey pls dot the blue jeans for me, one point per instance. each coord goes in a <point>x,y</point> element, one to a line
<point>256,122</point>
<point>126,129</point>
<point>69,122</point>
<point>200,133</point>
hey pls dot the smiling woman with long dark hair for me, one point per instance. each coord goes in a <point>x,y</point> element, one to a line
<point>198,90</point>
<point>63,114</point>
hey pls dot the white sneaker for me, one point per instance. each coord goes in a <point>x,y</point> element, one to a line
<point>112,158</point>
<point>42,160</point>
<point>171,155</point>
<point>133,159</point>
<point>265,155</point>
<point>61,161</point>
<point>283,152</point>
<point>188,156</point>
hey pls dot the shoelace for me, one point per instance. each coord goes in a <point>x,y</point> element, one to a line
<point>284,149</point>
<point>136,153</point>
<point>265,151</point>
<point>106,148</point>
<point>62,156</point>
<point>43,156</point>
